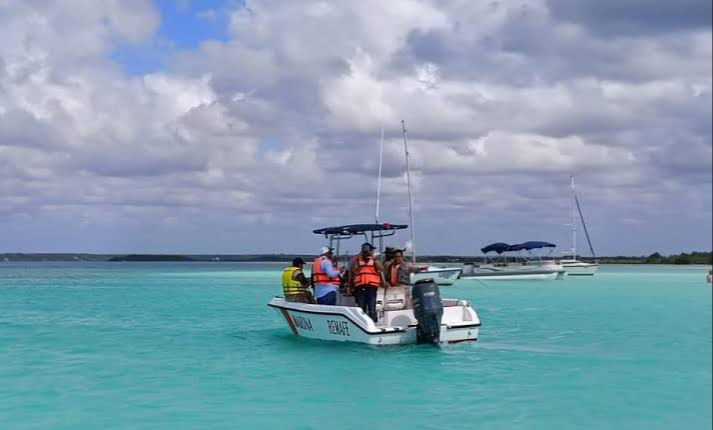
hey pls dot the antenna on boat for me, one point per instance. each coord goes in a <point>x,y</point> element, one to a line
<point>410,198</point>
<point>381,165</point>
<point>378,189</point>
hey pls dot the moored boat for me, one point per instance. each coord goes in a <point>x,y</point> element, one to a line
<point>443,276</point>
<point>509,265</point>
<point>575,267</point>
<point>492,273</point>
<point>571,264</point>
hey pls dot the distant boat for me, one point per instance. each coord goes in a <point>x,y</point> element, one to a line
<point>508,266</point>
<point>504,274</point>
<point>573,266</point>
<point>443,276</point>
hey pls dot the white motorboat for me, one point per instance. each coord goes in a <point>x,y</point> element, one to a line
<point>398,326</point>
<point>443,276</point>
<point>406,315</point>
<point>510,265</point>
<point>572,265</point>
<point>491,272</point>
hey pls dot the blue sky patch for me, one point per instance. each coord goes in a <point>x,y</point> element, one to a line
<point>185,24</point>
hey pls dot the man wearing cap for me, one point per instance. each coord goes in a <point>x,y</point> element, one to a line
<point>325,277</point>
<point>366,278</point>
<point>295,284</point>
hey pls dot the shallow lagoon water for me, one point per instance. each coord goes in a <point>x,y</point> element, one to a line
<point>192,345</point>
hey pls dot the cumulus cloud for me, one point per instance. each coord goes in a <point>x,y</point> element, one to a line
<point>278,130</point>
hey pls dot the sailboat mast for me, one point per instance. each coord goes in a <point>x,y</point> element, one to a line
<point>381,165</point>
<point>584,225</point>
<point>410,198</point>
<point>574,220</point>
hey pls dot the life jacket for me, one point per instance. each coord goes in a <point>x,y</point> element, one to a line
<point>366,274</point>
<point>319,277</point>
<point>394,274</point>
<point>290,286</point>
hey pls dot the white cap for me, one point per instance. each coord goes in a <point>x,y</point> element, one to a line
<point>325,250</point>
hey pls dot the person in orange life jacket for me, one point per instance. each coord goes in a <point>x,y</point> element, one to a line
<point>325,277</point>
<point>398,271</point>
<point>366,278</point>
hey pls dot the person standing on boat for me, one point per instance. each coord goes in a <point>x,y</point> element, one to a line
<point>366,277</point>
<point>295,284</point>
<point>325,277</point>
<point>398,271</point>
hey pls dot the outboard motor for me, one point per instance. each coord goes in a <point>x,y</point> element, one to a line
<point>428,310</point>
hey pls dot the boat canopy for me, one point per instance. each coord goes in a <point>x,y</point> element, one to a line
<point>348,230</point>
<point>499,247</point>
<point>528,246</point>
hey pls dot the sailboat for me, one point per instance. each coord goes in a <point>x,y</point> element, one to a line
<point>572,265</point>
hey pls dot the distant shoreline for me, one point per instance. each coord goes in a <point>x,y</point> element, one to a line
<point>694,258</point>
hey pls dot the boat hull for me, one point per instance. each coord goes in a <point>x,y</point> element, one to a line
<point>581,269</point>
<point>443,276</point>
<point>349,324</point>
<point>513,276</point>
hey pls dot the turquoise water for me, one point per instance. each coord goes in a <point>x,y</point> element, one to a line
<point>193,346</point>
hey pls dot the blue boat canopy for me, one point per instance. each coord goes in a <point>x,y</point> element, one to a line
<point>359,229</point>
<point>499,247</point>
<point>528,246</point>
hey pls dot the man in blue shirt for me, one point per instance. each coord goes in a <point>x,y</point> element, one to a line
<point>325,277</point>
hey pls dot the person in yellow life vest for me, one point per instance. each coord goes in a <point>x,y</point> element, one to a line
<point>366,278</point>
<point>295,284</point>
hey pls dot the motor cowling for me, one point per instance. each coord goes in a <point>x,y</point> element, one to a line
<point>428,310</point>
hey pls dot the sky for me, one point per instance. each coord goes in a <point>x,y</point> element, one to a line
<point>224,126</point>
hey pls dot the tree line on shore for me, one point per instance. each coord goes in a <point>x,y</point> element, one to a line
<point>702,258</point>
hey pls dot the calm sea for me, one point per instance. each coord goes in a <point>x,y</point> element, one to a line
<point>193,346</point>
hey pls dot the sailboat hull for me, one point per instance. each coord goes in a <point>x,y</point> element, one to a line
<point>578,268</point>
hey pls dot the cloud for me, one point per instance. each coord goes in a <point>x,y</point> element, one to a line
<point>635,17</point>
<point>275,131</point>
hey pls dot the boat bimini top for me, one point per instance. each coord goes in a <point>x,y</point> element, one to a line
<point>348,231</point>
<point>370,232</point>
<point>501,247</point>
